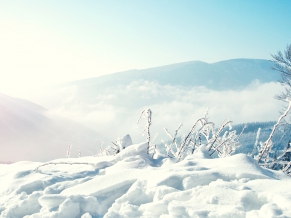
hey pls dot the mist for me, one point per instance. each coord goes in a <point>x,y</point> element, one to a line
<point>114,112</point>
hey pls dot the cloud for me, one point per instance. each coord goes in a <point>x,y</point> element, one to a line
<point>115,111</point>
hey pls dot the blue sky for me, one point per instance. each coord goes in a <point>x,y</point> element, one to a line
<point>46,42</point>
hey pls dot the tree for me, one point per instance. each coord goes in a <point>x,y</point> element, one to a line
<point>283,65</point>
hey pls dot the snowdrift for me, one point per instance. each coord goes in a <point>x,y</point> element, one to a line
<point>132,184</point>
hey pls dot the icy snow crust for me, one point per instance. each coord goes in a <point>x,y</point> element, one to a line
<point>132,184</point>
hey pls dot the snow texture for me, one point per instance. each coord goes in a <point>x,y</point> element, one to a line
<point>132,184</point>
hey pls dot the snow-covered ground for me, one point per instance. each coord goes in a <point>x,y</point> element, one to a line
<point>132,184</point>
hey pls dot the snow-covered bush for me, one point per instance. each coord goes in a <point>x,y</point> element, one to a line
<point>219,141</point>
<point>283,161</point>
<point>203,132</point>
<point>267,157</point>
<point>121,143</point>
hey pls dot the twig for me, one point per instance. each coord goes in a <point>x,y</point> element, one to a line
<point>55,163</point>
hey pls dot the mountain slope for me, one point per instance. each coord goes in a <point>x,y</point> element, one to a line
<point>229,74</point>
<point>28,133</point>
<point>239,89</point>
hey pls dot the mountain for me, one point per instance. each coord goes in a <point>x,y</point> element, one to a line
<point>28,132</point>
<point>223,75</point>
<point>123,88</point>
<point>111,105</point>
<point>239,89</point>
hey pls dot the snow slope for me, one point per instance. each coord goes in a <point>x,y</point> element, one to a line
<point>132,184</point>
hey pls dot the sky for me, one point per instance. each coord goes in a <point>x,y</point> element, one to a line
<point>48,42</point>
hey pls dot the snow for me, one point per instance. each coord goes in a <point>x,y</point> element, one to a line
<point>133,184</point>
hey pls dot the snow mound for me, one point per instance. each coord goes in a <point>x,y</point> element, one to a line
<point>132,184</point>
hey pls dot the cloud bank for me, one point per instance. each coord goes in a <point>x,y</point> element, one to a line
<point>114,112</point>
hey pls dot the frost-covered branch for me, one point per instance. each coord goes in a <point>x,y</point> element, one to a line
<point>245,126</point>
<point>57,163</point>
<point>223,125</point>
<point>69,151</point>
<point>268,144</point>
<point>103,151</point>
<point>256,142</point>
<point>147,114</point>
<point>203,132</point>
<point>169,148</point>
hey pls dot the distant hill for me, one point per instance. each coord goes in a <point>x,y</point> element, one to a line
<point>248,138</point>
<point>223,75</point>
<point>239,89</point>
<point>28,133</point>
<point>233,74</point>
<point>111,104</point>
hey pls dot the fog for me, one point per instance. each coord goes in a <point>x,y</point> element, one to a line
<point>70,115</point>
<point>114,112</point>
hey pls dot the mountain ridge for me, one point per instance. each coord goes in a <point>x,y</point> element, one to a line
<point>222,75</point>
